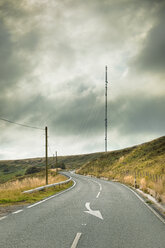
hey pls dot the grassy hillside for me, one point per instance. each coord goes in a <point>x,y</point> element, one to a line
<point>148,157</point>
<point>76,161</point>
<point>12,169</point>
<point>146,161</point>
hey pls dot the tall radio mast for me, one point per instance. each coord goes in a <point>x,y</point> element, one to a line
<point>106,82</point>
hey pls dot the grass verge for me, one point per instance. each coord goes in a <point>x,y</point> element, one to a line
<point>11,192</point>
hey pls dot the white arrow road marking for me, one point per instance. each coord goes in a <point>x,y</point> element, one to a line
<point>93,212</point>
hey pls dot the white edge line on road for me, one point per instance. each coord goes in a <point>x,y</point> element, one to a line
<point>75,242</point>
<point>18,211</point>
<point>4,217</point>
<point>37,203</point>
<point>151,209</point>
<point>98,195</point>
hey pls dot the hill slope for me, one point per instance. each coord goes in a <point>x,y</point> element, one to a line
<point>11,169</point>
<point>147,157</point>
<point>145,161</point>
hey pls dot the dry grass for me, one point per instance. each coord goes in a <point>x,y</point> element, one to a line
<point>156,189</point>
<point>11,192</point>
<point>143,184</point>
<point>146,161</point>
<point>129,180</point>
<point>29,183</point>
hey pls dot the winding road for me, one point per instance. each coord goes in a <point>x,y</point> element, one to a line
<point>92,214</point>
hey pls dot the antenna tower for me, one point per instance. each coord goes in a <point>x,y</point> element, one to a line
<point>106,82</point>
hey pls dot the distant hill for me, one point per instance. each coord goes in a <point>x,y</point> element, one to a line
<point>148,157</point>
<point>11,169</point>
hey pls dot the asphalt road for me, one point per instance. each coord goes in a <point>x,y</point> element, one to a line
<point>93,214</point>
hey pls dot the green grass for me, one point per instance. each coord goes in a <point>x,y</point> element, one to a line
<point>24,198</point>
<point>11,192</point>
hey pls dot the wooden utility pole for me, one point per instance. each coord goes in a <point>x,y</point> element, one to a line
<point>53,161</point>
<point>56,159</point>
<point>46,153</point>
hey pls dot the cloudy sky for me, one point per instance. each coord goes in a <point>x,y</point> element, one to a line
<point>52,63</point>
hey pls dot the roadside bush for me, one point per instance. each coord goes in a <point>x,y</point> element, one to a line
<point>62,165</point>
<point>6,170</point>
<point>32,170</point>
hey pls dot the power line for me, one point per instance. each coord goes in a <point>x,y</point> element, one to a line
<point>50,150</point>
<point>20,124</point>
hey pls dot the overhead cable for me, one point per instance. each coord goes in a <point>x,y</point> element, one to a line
<point>20,124</point>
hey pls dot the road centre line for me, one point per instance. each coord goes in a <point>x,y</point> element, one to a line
<point>98,195</point>
<point>152,210</point>
<point>18,211</point>
<point>53,196</point>
<point>76,240</point>
<point>4,217</point>
<point>98,184</point>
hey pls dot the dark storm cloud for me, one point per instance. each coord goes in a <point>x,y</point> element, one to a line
<point>30,41</point>
<point>138,114</point>
<point>58,44</point>
<point>82,112</point>
<point>152,55</point>
<point>15,9</point>
<point>12,67</point>
<point>83,115</point>
<point>16,61</point>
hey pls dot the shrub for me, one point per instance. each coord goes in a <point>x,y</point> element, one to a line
<point>32,170</point>
<point>62,166</point>
<point>6,170</point>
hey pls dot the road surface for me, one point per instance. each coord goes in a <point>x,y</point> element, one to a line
<point>93,214</point>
